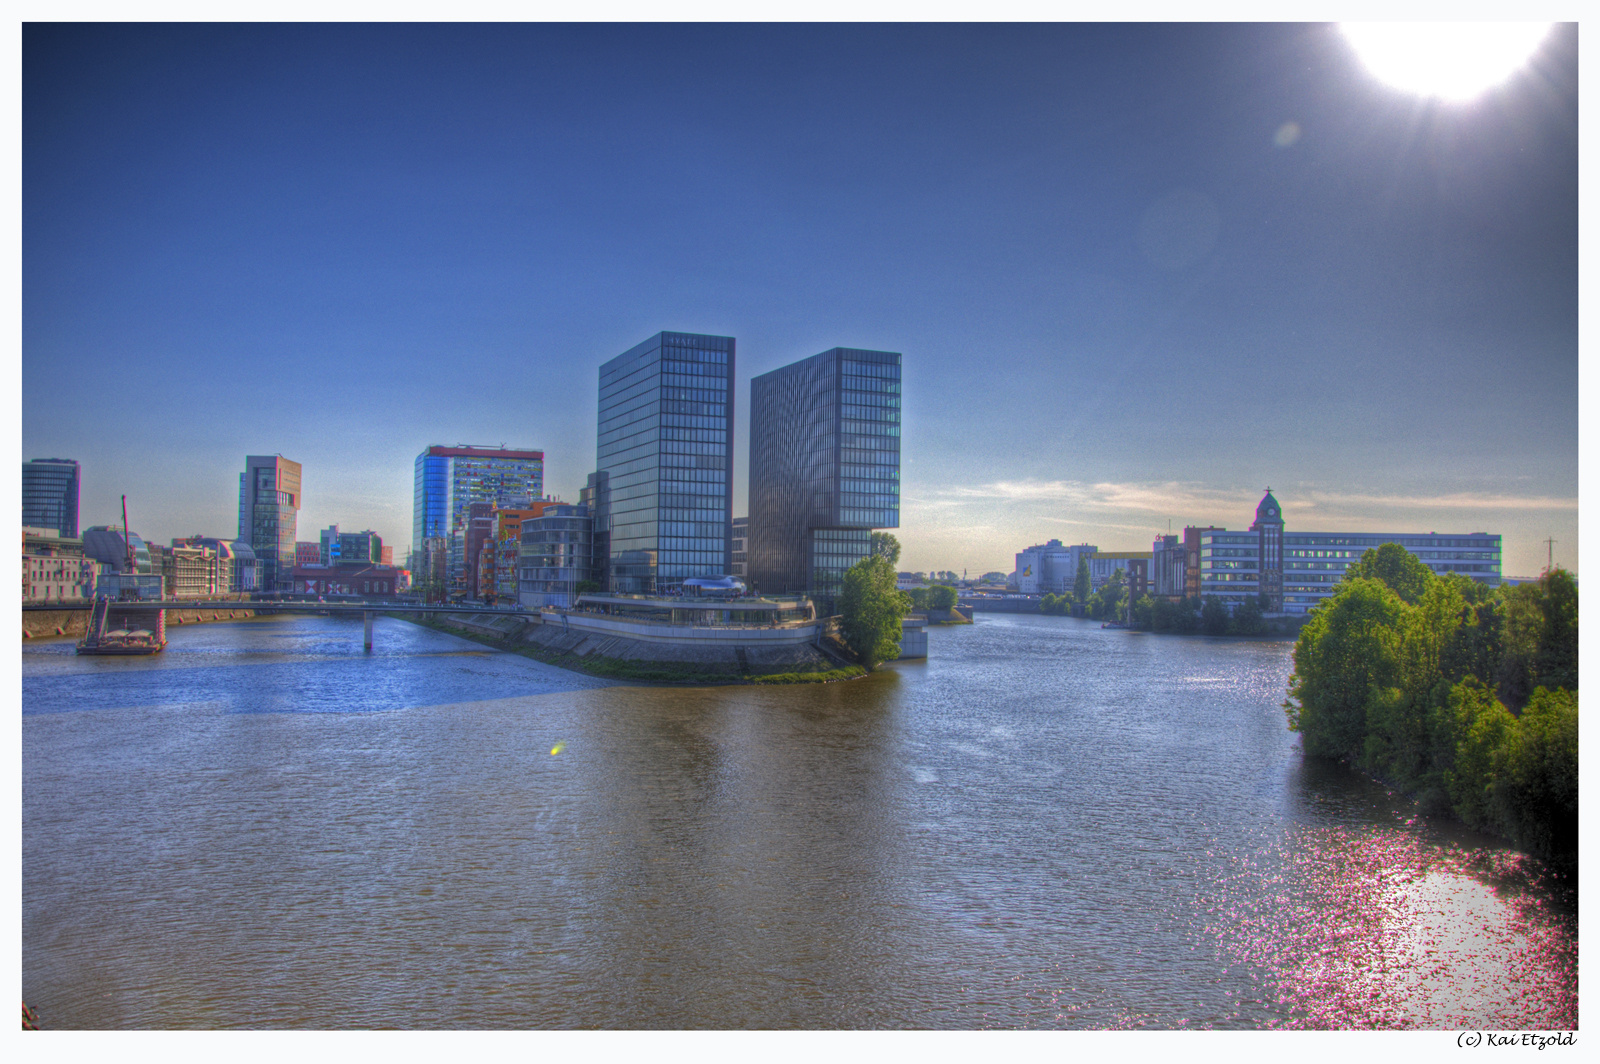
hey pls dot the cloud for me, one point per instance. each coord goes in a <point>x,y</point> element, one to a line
<point>1199,501</point>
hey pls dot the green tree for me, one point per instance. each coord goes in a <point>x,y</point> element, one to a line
<point>1144,612</point>
<point>1080,585</point>
<point>1214,616</point>
<point>1536,787</point>
<point>871,610</point>
<point>942,597</point>
<point>1346,654</point>
<point>1556,660</point>
<point>1247,618</point>
<point>917,597</point>
<point>1396,567</point>
<point>885,546</point>
<point>586,587</point>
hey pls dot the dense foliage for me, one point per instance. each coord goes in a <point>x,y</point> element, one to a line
<point>885,546</point>
<point>871,609</point>
<point>1459,693</point>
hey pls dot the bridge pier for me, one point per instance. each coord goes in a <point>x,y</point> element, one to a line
<point>366,625</point>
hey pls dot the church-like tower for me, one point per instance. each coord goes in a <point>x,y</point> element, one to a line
<point>1269,532</point>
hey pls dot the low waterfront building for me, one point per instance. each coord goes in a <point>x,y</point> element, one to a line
<point>1167,567</point>
<point>194,572</point>
<point>107,546</point>
<point>54,568</point>
<point>369,581</point>
<point>1135,566</point>
<point>1298,570</point>
<point>235,555</point>
<point>1052,568</point>
<point>556,554</point>
<point>770,620</point>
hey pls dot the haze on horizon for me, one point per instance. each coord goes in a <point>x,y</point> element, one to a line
<point>1138,273</point>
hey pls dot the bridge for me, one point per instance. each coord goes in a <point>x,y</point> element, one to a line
<point>366,607</point>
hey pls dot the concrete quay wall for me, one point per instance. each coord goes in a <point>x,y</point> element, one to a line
<point>74,624</point>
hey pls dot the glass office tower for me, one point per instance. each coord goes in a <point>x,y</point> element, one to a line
<point>447,481</point>
<point>824,468</point>
<point>50,495</point>
<point>269,502</point>
<point>665,458</point>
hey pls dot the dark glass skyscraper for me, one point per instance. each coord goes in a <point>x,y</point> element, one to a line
<point>50,495</point>
<point>665,455</point>
<point>824,468</point>
<point>269,504</point>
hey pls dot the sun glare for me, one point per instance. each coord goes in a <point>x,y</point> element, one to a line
<point>1449,60</point>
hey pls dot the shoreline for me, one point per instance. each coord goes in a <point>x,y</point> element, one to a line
<point>642,671</point>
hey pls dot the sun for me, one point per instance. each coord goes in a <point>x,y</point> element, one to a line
<point>1447,60</point>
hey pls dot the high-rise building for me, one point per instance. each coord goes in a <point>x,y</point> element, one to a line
<point>269,504</point>
<point>50,495</point>
<point>824,468</point>
<point>737,565</point>
<point>665,459</point>
<point>1052,568</point>
<point>448,480</point>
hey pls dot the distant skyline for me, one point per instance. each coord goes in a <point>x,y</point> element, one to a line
<point>1137,272</point>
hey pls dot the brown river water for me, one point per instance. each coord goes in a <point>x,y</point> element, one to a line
<point>1046,825</point>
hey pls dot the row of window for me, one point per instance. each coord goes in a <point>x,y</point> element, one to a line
<point>886,370</point>
<point>694,435</point>
<point>675,406</point>
<point>870,428</point>
<point>694,421</point>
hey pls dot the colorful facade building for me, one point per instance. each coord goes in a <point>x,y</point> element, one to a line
<point>448,481</point>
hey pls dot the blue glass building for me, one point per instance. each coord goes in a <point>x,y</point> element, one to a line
<point>824,468</point>
<point>50,495</point>
<point>665,458</point>
<point>447,481</point>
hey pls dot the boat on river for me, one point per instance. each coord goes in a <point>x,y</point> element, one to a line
<point>124,628</point>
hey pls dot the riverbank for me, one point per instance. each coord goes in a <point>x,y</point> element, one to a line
<point>618,658</point>
<point>74,624</point>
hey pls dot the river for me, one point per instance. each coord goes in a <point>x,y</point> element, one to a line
<point>1046,825</point>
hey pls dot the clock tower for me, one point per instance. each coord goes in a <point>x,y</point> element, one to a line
<point>1269,535</point>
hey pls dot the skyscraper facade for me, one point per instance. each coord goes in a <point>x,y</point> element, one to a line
<point>448,480</point>
<point>665,459</point>
<point>269,504</point>
<point>50,490</point>
<point>824,468</point>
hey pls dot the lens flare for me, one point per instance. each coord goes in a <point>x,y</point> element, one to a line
<point>556,749</point>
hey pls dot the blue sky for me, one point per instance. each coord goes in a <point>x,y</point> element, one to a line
<point>1127,291</point>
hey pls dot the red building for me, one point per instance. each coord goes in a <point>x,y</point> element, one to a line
<point>370,581</point>
<point>307,553</point>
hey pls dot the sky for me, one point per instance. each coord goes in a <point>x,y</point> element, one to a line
<point>1138,273</point>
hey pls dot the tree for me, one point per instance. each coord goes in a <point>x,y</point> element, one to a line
<point>1396,567</point>
<point>1346,654</point>
<point>942,597</point>
<point>1247,618</point>
<point>918,597</point>
<point>1144,611</point>
<point>586,587</point>
<point>871,610</point>
<point>1214,616</point>
<point>1080,586</point>
<point>885,546</point>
